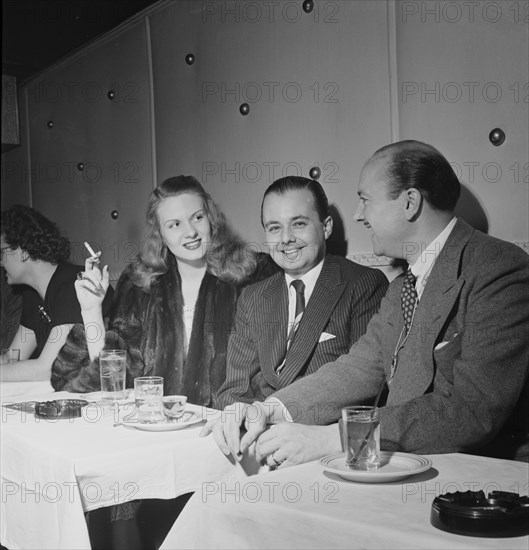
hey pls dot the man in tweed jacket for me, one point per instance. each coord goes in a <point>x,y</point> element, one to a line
<point>461,378</point>
<point>340,298</point>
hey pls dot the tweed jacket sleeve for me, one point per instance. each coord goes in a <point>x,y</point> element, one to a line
<point>354,378</point>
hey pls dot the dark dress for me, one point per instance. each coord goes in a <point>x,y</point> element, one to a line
<point>59,307</point>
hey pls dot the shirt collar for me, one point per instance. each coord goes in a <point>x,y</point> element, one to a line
<point>424,263</point>
<point>309,279</point>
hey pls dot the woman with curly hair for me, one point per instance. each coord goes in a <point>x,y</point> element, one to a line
<point>35,254</point>
<point>174,306</point>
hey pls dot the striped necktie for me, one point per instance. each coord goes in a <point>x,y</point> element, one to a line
<point>299,287</point>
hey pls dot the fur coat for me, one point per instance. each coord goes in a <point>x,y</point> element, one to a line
<point>150,327</point>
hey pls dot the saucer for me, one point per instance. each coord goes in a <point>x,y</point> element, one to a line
<point>393,467</point>
<point>169,424</point>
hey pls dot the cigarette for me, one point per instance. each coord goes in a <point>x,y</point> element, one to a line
<point>90,250</point>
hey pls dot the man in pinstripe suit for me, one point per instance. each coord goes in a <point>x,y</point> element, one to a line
<point>306,315</point>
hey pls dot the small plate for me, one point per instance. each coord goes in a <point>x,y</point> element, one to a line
<point>95,397</point>
<point>394,466</point>
<point>169,424</point>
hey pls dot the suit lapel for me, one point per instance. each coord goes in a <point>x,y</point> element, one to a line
<point>327,291</point>
<point>439,296</point>
<point>272,316</point>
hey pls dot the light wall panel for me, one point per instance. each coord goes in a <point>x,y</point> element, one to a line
<point>325,88</point>
<point>316,84</point>
<point>463,71</point>
<point>73,121</point>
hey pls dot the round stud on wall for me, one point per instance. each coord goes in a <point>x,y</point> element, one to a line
<point>111,94</point>
<point>308,6</point>
<point>497,137</point>
<point>49,124</point>
<point>114,214</point>
<point>80,166</point>
<point>190,59</point>
<point>244,109</point>
<point>315,173</point>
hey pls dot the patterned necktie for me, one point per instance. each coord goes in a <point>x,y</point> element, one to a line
<point>408,298</point>
<point>299,287</point>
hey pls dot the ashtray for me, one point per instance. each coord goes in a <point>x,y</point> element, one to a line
<point>60,408</point>
<point>501,514</point>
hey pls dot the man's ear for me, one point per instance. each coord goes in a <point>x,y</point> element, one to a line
<point>413,206</point>
<point>327,227</point>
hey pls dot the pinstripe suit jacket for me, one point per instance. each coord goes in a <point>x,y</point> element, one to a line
<point>462,383</point>
<point>344,298</point>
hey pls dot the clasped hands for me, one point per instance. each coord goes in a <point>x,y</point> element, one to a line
<point>281,445</point>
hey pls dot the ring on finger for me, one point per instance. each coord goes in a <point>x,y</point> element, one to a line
<point>271,462</point>
<point>276,462</point>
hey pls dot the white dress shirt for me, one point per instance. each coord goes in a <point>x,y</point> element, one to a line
<point>423,266</point>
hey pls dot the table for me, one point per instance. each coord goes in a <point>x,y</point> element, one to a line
<point>11,391</point>
<point>53,471</point>
<point>304,507</point>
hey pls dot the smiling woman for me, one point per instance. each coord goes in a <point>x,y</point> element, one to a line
<point>174,306</point>
<point>185,228</point>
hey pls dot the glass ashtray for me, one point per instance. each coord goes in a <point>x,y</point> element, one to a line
<point>60,408</point>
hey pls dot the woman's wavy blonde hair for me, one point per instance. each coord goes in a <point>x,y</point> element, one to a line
<point>227,256</point>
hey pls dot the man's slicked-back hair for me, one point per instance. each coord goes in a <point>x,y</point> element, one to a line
<point>415,164</point>
<point>295,183</point>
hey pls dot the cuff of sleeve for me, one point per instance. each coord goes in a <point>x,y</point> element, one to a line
<point>280,412</point>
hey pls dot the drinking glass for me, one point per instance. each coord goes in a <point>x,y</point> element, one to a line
<point>10,355</point>
<point>148,393</point>
<point>113,369</point>
<point>362,437</point>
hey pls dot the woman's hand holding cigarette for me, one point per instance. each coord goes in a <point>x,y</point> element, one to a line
<point>92,283</point>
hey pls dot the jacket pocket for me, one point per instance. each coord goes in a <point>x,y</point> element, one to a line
<point>445,355</point>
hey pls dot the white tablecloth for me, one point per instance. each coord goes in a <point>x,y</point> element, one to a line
<point>52,471</point>
<point>304,507</point>
<point>16,391</point>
